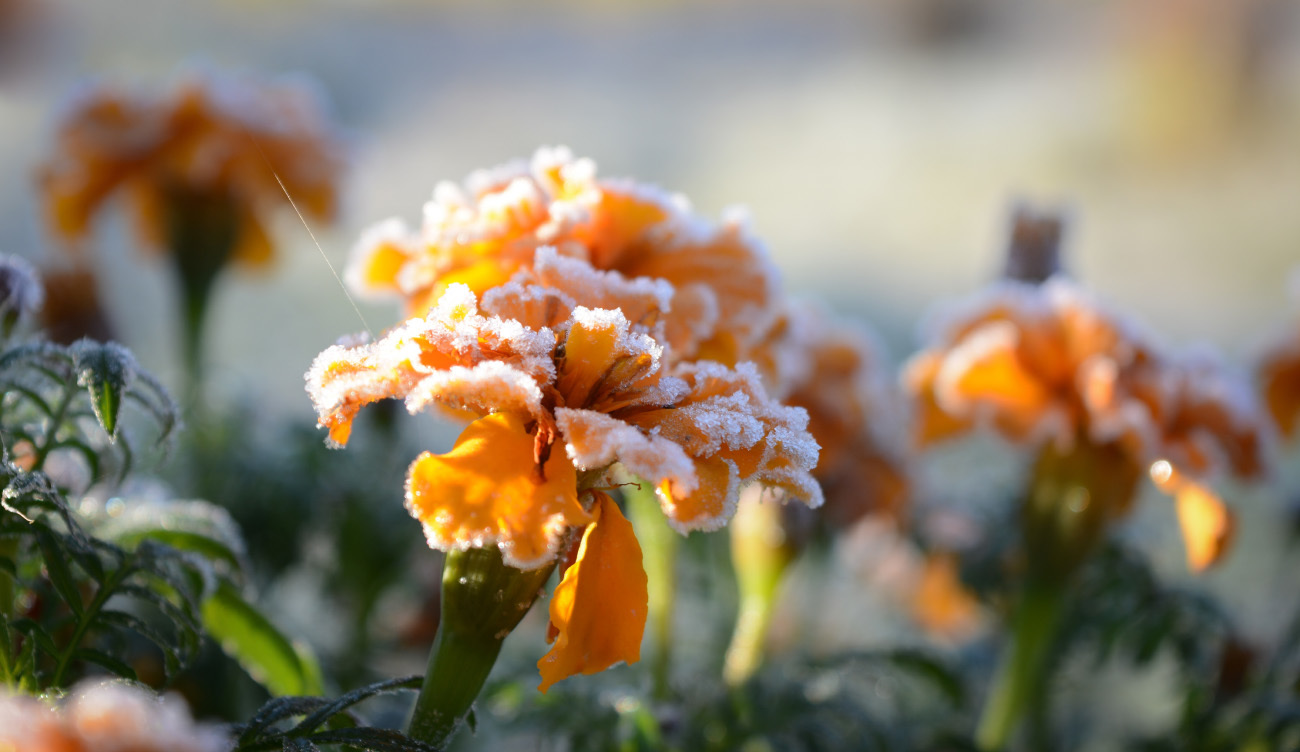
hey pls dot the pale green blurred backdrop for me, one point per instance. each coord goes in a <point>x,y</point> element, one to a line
<point>877,144</point>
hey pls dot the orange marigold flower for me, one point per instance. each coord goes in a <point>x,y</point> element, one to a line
<point>482,234</point>
<point>1043,363</point>
<point>224,145</point>
<point>593,391</point>
<point>108,716</point>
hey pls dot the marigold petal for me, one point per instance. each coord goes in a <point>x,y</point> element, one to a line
<point>594,440</point>
<point>712,502</point>
<point>487,489</point>
<point>1207,525</point>
<point>986,370</point>
<point>599,608</point>
<point>930,422</point>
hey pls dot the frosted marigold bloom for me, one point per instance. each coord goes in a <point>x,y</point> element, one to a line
<point>482,234</point>
<point>836,372</point>
<point>210,145</point>
<point>1043,364</point>
<point>110,716</point>
<point>555,402</point>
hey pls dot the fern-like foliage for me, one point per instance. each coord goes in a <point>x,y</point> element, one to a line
<point>306,724</point>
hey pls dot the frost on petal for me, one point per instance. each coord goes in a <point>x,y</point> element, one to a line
<point>594,440</point>
<point>737,435</point>
<point>491,386</point>
<point>710,504</point>
<point>418,361</point>
<point>489,489</point>
<point>642,300</point>
<point>534,306</point>
<point>720,268</point>
<point>598,610</point>
<point>605,365</point>
<point>375,267</point>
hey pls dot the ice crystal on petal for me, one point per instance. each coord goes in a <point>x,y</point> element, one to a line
<point>595,440</point>
<point>418,361</point>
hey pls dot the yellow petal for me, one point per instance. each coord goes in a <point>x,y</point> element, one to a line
<point>1206,523</point>
<point>599,608</point>
<point>589,352</point>
<point>487,489</point>
<point>941,603</point>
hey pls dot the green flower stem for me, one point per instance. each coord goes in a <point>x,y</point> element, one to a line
<point>659,550</point>
<point>483,600</point>
<point>1020,680</point>
<point>1075,495</point>
<point>203,229</point>
<point>761,552</point>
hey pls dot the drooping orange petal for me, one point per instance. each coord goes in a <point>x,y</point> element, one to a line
<point>599,608</point>
<point>487,489</point>
<point>1206,523</point>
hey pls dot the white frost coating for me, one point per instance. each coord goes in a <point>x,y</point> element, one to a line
<point>491,386</point>
<point>705,523</point>
<point>630,343</point>
<point>390,232</point>
<point>595,440</point>
<point>595,287</point>
<point>342,379</point>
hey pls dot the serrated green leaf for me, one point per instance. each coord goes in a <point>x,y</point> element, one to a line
<point>255,643</point>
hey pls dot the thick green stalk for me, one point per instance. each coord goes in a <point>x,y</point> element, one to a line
<point>1074,496</point>
<point>483,600</point>
<point>659,551</point>
<point>1020,682</point>
<point>203,229</point>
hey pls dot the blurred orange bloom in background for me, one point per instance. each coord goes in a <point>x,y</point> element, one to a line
<point>1044,365</point>
<point>217,144</point>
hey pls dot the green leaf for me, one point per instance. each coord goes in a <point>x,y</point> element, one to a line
<point>56,564</point>
<point>192,525</point>
<point>252,640</point>
<point>105,370</point>
<point>106,661</point>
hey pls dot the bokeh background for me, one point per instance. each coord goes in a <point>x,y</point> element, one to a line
<point>878,145</point>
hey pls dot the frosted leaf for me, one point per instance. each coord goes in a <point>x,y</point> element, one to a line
<point>21,293</point>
